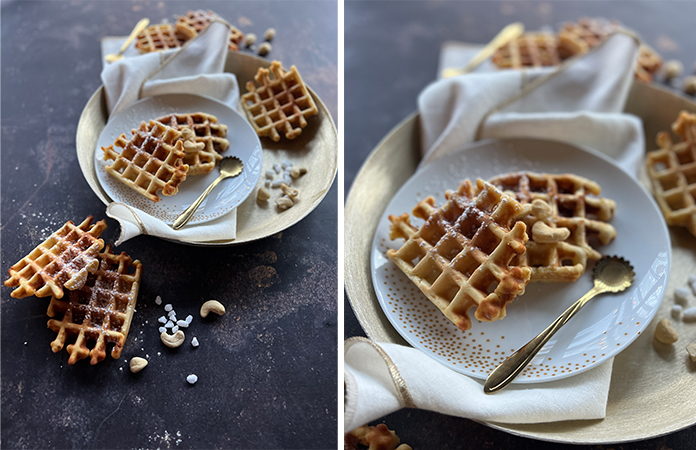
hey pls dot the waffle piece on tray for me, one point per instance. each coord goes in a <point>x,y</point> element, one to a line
<point>565,219</point>
<point>100,313</point>
<point>63,260</point>
<point>672,170</point>
<point>528,50</point>
<point>152,160</point>
<point>460,257</point>
<point>579,37</point>
<point>280,104</point>
<point>203,140</point>
<point>199,20</point>
<point>163,37</point>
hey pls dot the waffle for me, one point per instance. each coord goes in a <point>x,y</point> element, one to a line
<point>163,37</point>
<point>62,260</point>
<point>199,20</point>
<point>100,312</point>
<point>562,202</point>
<point>208,135</point>
<point>648,63</point>
<point>280,104</point>
<point>579,37</point>
<point>672,170</point>
<point>152,160</point>
<point>460,257</point>
<point>528,50</point>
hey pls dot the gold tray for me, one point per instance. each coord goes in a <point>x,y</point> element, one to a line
<point>316,149</point>
<point>652,384</point>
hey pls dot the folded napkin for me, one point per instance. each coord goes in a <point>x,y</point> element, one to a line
<point>197,68</point>
<point>580,102</point>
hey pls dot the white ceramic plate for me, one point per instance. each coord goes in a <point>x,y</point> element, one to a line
<point>606,326</point>
<point>230,193</point>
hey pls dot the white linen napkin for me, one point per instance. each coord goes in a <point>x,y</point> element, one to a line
<point>196,68</point>
<point>580,102</point>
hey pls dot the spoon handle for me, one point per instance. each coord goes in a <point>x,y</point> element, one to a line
<point>188,212</point>
<point>515,363</point>
<point>140,26</point>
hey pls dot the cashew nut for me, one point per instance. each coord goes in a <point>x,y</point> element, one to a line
<point>544,234</point>
<point>290,192</point>
<point>691,350</point>
<point>665,333</point>
<point>137,364</point>
<point>284,202</point>
<point>212,306</point>
<point>262,194</point>
<point>173,340</point>
<point>296,172</point>
<point>264,49</point>
<point>250,39</point>
<point>541,209</point>
<point>269,34</point>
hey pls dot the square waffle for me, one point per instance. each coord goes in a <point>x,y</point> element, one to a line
<point>565,221</point>
<point>528,50</point>
<point>63,260</point>
<point>208,135</point>
<point>579,37</point>
<point>100,312</point>
<point>152,160</point>
<point>163,37</point>
<point>672,170</point>
<point>199,20</point>
<point>460,257</point>
<point>280,104</point>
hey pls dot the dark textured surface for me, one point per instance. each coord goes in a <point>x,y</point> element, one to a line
<point>391,54</point>
<point>267,368</point>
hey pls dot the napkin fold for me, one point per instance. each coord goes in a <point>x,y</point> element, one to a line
<point>580,102</point>
<point>197,68</point>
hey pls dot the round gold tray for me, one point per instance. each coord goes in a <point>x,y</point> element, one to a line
<point>316,149</point>
<point>652,384</point>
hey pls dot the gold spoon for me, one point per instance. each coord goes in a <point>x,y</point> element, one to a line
<point>507,34</point>
<point>229,167</point>
<point>611,274</point>
<point>140,26</point>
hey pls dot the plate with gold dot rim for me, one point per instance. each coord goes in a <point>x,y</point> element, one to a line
<point>230,193</point>
<point>606,326</point>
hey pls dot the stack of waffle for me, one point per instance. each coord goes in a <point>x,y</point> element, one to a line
<point>574,38</point>
<point>482,247</point>
<point>164,36</point>
<point>102,289</point>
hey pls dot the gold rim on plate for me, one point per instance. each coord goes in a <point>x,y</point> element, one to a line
<point>315,149</point>
<point>645,374</point>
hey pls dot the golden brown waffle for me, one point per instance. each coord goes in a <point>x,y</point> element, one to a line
<point>672,170</point>
<point>100,313</point>
<point>63,260</point>
<point>163,37</point>
<point>578,37</point>
<point>152,160</point>
<point>207,133</point>
<point>528,50</point>
<point>280,104</point>
<point>560,202</point>
<point>460,258</point>
<point>648,63</point>
<point>199,20</point>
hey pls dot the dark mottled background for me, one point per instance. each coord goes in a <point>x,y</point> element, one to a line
<point>267,368</point>
<point>391,54</point>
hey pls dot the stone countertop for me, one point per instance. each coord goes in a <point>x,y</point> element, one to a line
<point>267,368</point>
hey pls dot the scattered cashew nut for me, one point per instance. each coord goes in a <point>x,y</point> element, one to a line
<point>541,209</point>
<point>265,48</point>
<point>284,202</point>
<point>262,194</point>
<point>691,350</point>
<point>544,234</point>
<point>137,364</point>
<point>250,39</point>
<point>173,340</point>
<point>212,306</point>
<point>269,34</point>
<point>290,192</point>
<point>296,172</point>
<point>665,333</point>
